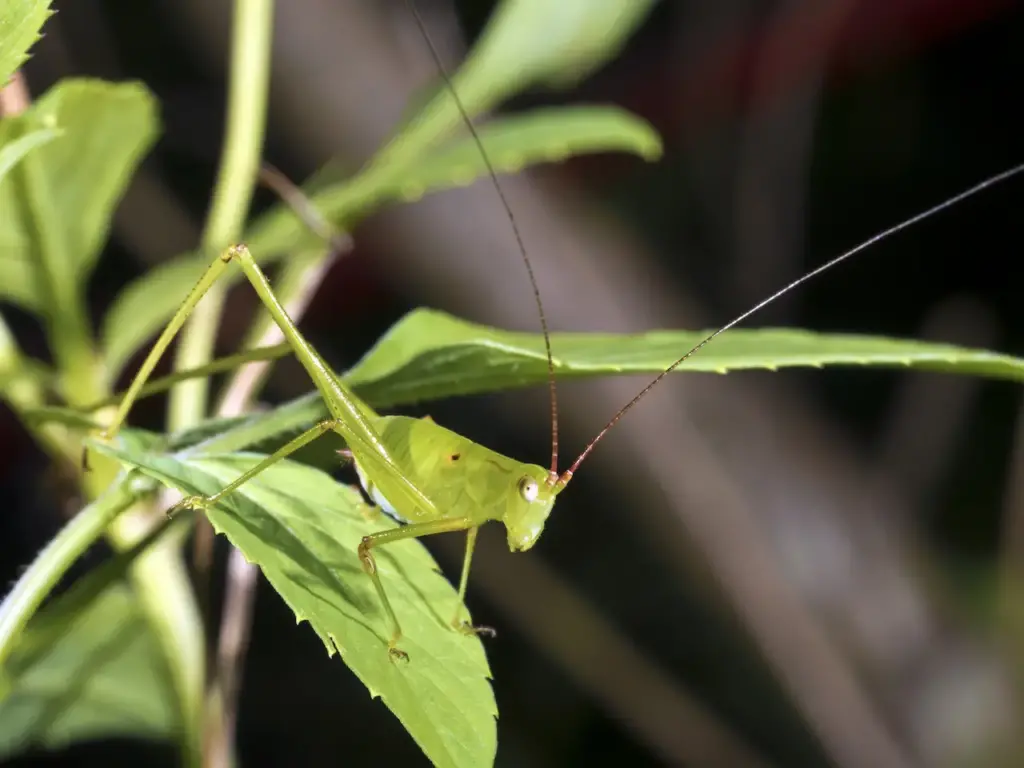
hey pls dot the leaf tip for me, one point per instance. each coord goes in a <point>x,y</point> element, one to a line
<point>651,151</point>
<point>410,192</point>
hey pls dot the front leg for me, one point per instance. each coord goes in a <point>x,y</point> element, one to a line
<point>369,564</point>
<point>457,622</point>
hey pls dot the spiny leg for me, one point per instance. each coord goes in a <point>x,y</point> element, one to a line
<point>369,564</point>
<point>457,622</point>
<point>338,403</point>
<point>333,393</point>
<point>209,277</point>
<point>311,434</point>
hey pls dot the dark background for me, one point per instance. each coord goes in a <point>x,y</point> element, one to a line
<point>852,522</point>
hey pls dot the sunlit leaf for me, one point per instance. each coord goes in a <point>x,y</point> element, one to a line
<point>13,149</point>
<point>526,42</point>
<point>302,528</point>
<point>53,226</point>
<point>430,355</point>
<point>20,22</point>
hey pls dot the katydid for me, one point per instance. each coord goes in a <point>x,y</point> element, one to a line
<point>429,478</point>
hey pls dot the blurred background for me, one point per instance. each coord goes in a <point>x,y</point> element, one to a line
<point>797,568</point>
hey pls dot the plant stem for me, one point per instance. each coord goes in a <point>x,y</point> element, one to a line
<point>55,559</point>
<point>236,179</point>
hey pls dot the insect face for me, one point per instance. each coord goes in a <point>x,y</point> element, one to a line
<point>528,508</point>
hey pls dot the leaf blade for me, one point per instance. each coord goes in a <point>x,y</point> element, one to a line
<point>302,529</point>
<point>430,354</point>
<point>526,42</point>
<point>20,22</point>
<point>13,151</point>
<point>105,129</point>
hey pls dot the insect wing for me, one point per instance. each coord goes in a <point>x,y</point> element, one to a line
<point>370,452</point>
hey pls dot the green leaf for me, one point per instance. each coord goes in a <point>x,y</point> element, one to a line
<point>302,529</point>
<point>20,22</point>
<point>535,41</point>
<point>430,355</point>
<point>512,144</point>
<point>53,227</point>
<point>85,672</point>
<point>527,42</point>
<point>544,135</point>
<point>58,414</point>
<point>13,150</point>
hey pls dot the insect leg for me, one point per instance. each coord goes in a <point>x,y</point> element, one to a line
<point>220,365</point>
<point>311,434</point>
<point>412,531</point>
<point>457,622</point>
<point>339,400</point>
<point>214,271</point>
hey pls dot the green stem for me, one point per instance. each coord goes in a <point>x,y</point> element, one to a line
<point>66,319</point>
<point>164,591</point>
<point>55,559</point>
<point>236,180</point>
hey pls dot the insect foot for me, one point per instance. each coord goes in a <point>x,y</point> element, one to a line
<point>469,629</point>
<point>365,558</point>
<point>189,502</point>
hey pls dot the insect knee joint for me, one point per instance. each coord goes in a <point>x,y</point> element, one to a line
<point>234,252</point>
<point>365,557</point>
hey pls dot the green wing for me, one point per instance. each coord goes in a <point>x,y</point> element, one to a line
<point>358,425</point>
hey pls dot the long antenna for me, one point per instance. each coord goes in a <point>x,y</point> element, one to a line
<point>989,182</point>
<point>515,229</point>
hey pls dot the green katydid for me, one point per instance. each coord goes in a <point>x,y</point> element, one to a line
<point>429,478</point>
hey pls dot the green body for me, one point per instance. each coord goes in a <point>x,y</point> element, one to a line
<point>460,477</point>
<point>426,476</point>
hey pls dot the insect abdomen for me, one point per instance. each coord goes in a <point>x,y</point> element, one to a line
<point>377,497</point>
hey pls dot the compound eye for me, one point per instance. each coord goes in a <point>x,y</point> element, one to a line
<point>528,489</point>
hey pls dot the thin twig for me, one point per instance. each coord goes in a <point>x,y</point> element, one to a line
<point>14,97</point>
